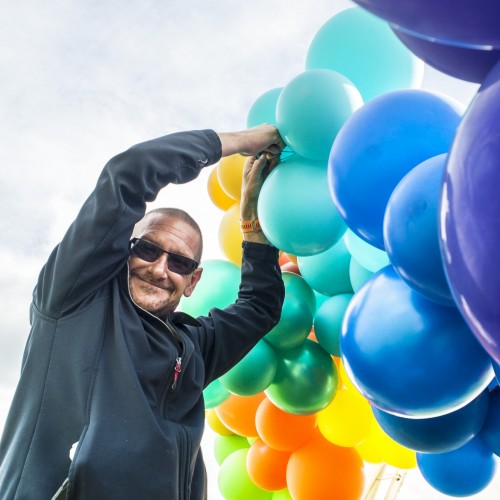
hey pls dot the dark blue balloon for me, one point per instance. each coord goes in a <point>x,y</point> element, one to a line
<point>461,472</point>
<point>490,433</point>
<point>378,145</point>
<point>470,215</point>
<point>439,434</point>
<point>469,23</point>
<point>411,232</point>
<point>407,355</point>
<point>465,63</point>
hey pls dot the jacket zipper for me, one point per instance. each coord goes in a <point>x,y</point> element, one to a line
<point>178,360</point>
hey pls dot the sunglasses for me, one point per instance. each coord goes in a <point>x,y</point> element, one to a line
<point>150,252</point>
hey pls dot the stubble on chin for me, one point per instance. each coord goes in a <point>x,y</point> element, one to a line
<point>150,296</point>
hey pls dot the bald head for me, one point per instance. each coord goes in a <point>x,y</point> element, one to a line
<point>173,213</point>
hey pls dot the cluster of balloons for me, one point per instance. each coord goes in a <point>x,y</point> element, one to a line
<point>386,215</point>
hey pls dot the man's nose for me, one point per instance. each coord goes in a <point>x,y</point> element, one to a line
<point>159,266</point>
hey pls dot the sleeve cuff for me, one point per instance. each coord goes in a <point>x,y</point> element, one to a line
<point>260,251</point>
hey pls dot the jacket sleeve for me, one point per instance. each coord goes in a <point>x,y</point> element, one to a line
<point>229,334</point>
<point>95,247</point>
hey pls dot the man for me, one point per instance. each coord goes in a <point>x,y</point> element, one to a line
<point>108,364</point>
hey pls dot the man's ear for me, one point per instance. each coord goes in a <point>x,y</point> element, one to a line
<point>195,277</point>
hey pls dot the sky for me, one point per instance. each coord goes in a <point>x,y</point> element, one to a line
<point>86,79</point>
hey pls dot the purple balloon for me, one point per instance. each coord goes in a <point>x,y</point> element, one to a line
<point>472,23</point>
<point>471,64</point>
<point>470,215</point>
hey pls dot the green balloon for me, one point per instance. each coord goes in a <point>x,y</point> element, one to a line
<point>358,274</point>
<point>234,482</point>
<point>297,285</point>
<point>294,326</point>
<point>225,445</point>
<point>218,287</point>
<point>253,373</point>
<point>306,380</point>
<point>215,394</point>
<point>328,322</point>
<point>282,495</point>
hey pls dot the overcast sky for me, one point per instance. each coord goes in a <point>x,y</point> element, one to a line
<point>84,80</point>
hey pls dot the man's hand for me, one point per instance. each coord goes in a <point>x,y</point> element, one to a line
<point>253,141</point>
<point>254,174</point>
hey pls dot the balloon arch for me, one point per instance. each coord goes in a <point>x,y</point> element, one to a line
<point>386,209</point>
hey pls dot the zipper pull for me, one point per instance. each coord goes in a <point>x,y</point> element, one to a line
<point>178,363</point>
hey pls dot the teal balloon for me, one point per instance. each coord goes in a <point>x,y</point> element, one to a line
<point>253,373</point>
<point>363,47</point>
<point>214,394</point>
<point>328,272</point>
<point>328,322</point>
<point>306,380</point>
<point>320,299</point>
<point>295,208</point>
<point>263,110</point>
<point>312,108</point>
<point>218,287</point>
<point>297,285</point>
<point>234,481</point>
<point>294,325</point>
<point>358,274</point>
<point>225,445</point>
<point>370,257</point>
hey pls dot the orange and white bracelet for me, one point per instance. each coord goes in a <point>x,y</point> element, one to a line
<point>250,226</point>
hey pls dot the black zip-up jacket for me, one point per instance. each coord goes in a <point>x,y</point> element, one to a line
<point>99,370</point>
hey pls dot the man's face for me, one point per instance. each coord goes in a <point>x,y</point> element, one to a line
<point>152,285</point>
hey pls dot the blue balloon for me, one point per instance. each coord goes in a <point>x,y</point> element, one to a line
<point>465,63</point>
<point>295,208</point>
<point>490,433</point>
<point>437,434</point>
<point>378,145</point>
<point>263,110</point>
<point>470,211</point>
<point>462,472</point>
<point>363,48</point>
<point>328,272</point>
<point>312,108</point>
<point>465,24</point>
<point>411,232</point>
<point>407,355</point>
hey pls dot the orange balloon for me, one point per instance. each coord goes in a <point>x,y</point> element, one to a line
<point>267,467</point>
<point>291,267</point>
<point>283,259</point>
<point>281,430</point>
<point>230,175</point>
<point>321,470</point>
<point>237,413</point>
<point>312,335</point>
<point>230,236</point>
<point>216,194</point>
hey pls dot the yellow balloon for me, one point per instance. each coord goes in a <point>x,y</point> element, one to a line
<point>346,381</point>
<point>215,424</point>
<point>346,421</point>
<point>230,175</point>
<point>379,447</point>
<point>230,237</point>
<point>216,194</point>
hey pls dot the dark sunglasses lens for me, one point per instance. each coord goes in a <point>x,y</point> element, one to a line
<point>146,251</point>
<point>180,264</point>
